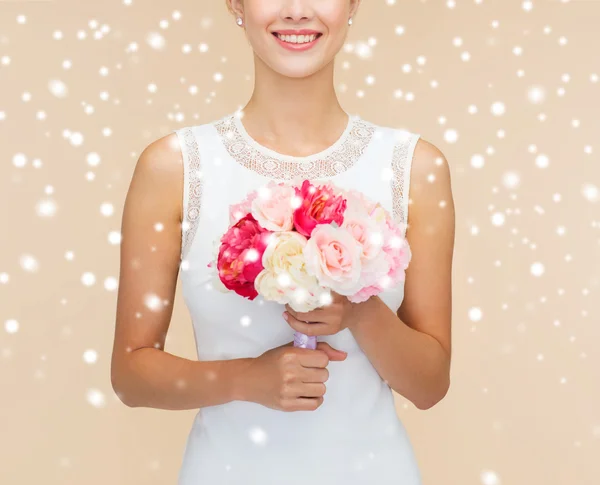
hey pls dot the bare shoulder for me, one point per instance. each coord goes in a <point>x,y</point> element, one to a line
<point>430,174</point>
<point>431,202</point>
<point>160,169</point>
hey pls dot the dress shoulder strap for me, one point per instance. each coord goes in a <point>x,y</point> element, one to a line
<point>192,185</point>
<point>402,157</point>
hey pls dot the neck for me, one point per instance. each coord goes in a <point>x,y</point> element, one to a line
<point>302,111</point>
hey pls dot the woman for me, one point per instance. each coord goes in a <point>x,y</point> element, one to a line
<point>268,412</point>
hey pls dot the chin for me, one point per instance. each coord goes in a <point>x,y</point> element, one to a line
<point>297,73</point>
<point>298,70</point>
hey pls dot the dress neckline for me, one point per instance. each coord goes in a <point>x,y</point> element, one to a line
<point>237,120</point>
<point>339,157</point>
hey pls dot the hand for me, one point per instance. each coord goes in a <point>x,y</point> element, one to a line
<point>326,320</point>
<point>289,378</point>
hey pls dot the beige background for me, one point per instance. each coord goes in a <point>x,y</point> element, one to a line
<point>86,85</point>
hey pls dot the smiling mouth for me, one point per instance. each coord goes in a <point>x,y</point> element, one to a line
<point>294,39</point>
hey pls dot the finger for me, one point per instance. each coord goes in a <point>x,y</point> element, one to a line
<point>309,389</point>
<point>310,329</point>
<point>304,403</point>
<point>313,358</point>
<point>338,356</point>
<point>333,354</point>
<point>313,374</point>
<point>316,315</point>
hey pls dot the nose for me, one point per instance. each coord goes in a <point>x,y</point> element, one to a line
<point>296,10</point>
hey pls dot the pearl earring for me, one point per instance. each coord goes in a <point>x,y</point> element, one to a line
<point>350,21</point>
<point>239,21</point>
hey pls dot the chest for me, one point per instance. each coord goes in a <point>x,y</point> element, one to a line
<point>222,168</point>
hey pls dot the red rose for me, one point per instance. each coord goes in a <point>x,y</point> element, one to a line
<point>319,206</point>
<point>240,256</point>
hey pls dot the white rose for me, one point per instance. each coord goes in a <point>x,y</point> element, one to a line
<point>284,278</point>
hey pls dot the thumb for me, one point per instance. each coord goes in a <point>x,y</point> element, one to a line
<point>332,353</point>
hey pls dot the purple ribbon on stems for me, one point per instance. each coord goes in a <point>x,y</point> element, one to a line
<point>305,341</point>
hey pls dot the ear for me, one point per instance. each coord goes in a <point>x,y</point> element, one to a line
<point>236,7</point>
<point>354,4</point>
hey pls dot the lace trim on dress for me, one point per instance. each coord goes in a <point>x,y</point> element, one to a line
<point>401,165</point>
<point>338,160</point>
<point>193,176</point>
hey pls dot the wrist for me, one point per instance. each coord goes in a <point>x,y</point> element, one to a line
<point>361,313</point>
<point>238,390</point>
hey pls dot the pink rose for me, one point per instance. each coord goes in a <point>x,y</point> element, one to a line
<point>333,256</point>
<point>375,263</point>
<point>273,207</point>
<point>369,230</point>
<point>398,251</point>
<point>397,254</point>
<point>365,293</point>
<point>318,205</point>
<point>367,233</point>
<point>237,211</point>
<point>240,256</point>
<point>357,202</point>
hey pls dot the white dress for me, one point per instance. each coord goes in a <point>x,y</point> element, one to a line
<point>355,437</point>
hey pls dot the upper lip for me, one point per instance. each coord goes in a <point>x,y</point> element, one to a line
<point>296,32</point>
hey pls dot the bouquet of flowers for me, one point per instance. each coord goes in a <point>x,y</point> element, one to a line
<point>295,243</point>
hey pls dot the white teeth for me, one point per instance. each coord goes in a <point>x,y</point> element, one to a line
<point>297,39</point>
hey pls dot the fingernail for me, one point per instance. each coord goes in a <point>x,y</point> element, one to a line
<point>285,315</point>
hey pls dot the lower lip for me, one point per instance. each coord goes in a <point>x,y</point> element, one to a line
<point>297,47</point>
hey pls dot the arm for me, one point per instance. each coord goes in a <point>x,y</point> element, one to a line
<point>143,374</point>
<point>411,349</point>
